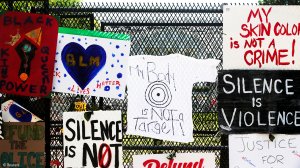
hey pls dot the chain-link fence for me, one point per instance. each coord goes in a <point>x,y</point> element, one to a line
<point>156,29</point>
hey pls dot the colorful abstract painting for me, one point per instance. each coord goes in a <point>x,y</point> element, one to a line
<point>91,63</point>
<point>28,45</point>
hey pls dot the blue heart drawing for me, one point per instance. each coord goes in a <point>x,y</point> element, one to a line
<point>83,64</point>
<point>20,114</point>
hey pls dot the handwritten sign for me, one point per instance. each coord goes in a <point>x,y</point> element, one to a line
<point>261,37</point>
<point>91,63</point>
<point>13,112</point>
<point>159,94</point>
<point>195,160</point>
<point>27,52</point>
<point>93,143</point>
<point>24,145</point>
<point>256,150</point>
<point>259,101</point>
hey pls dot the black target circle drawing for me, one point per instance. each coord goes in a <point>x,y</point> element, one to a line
<point>158,94</point>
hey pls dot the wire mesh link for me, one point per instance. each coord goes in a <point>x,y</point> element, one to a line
<point>193,30</point>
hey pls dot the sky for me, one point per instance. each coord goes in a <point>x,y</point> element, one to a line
<point>177,1</point>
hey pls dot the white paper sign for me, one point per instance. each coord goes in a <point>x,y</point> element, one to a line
<point>93,143</point>
<point>192,160</point>
<point>160,94</point>
<point>261,37</point>
<point>91,63</point>
<point>256,150</point>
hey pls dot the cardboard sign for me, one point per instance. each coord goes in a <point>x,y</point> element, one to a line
<point>27,45</point>
<point>259,101</point>
<point>24,145</point>
<point>257,150</point>
<point>160,94</point>
<point>261,37</point>
<point>91,63</point>
<point>13,112</point>
<point>93,143</point>
<point>195,160</point>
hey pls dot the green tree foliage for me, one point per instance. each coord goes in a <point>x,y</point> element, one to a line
<point>64,3</point>
<point>72,17</point>
<point>26,6</point>
<point>279,2</point>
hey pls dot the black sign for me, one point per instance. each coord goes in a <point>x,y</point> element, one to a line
<point>252,101</point>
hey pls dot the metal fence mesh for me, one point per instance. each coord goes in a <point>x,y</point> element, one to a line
<point>156,29</point>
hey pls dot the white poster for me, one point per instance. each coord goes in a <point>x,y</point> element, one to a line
<point>96,142</point>
<point>160,94</point>
<point>192,160</point>
<point>257,150</point>
<point>91,63</point>
<point>261,37</point>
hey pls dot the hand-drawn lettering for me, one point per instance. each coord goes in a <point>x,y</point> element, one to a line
<point>258,99</point>
<point>96,143</point>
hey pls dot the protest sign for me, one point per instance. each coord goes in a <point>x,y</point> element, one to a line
<point>160,94</point>
<point>23,145</point>
<point>93,143</point>
<point>259,101</point>
<point>91,63</point>
<point>261,37</point>
<point>195,160</point>
<point>257,150</point>
<point>28,45</point>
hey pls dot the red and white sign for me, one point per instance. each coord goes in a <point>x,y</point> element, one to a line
<point>27,53</point>
<point>261,37</point>
<point>193,160</point>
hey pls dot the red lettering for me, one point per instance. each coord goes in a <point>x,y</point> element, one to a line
<point>266,14</point>
<point>246,59</point>
<point>104,155</point>
<point>261,57</point>
<point>57,74</point>
<point>252,14</point>
<point>282,54</point>
<point>98,85</point>
<point>79,90</point>
<point>257,30</point>
<point>105,83</point>
<point>286,29</point>
<point>72,89</point>
<point>153,163</point>
<point>150,162</point>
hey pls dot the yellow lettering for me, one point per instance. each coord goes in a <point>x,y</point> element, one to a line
<point>18,114</point>
<point>81,61</point>
<point>70,60</point>
<point>94,61</point>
